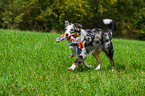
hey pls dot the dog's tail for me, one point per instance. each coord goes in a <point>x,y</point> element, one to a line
<point>111,25</point>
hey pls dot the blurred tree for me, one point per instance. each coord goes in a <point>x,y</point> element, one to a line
<point>46,15</point>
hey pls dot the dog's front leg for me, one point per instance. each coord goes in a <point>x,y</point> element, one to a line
<point>84,56</point>
<point>86,65</point>
<point>78,61</point>
<point>81,58</point>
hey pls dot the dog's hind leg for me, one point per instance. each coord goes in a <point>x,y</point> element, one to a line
<point>110,57</point>
<point>96,55</point>
<point>109,54</point>
<point>86,65</point>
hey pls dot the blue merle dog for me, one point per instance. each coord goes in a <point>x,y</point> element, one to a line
<point>92,42</point>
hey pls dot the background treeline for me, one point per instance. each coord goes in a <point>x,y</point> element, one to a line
<point>47,15</point>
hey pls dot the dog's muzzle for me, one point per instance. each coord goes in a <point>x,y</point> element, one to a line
<point>67,35</point>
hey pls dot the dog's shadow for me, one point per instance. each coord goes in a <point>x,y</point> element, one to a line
<point>118,68</point>
<point>82,68</point>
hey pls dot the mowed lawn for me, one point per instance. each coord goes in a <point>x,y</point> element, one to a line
<point>34,64</point>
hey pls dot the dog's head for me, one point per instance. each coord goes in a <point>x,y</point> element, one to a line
<point>71,29</point>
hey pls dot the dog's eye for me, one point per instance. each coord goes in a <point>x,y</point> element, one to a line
<point>71,29</point>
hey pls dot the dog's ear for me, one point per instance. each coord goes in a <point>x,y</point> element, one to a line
<point>78,25</point>
<point>66,23</point>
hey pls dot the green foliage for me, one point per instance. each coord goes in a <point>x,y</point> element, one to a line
<point>34,64</point>
<point>45,15</point>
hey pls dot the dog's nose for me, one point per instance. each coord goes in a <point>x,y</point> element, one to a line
<point>66,34</point>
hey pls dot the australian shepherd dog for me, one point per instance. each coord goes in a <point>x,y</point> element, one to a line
<point>90,41</point>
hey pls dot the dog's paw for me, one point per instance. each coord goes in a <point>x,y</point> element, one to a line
<point>70,69</point>
<point>113,70</point>
<point>98,67</point>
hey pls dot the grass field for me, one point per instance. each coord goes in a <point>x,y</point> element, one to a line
<point>34,64</point>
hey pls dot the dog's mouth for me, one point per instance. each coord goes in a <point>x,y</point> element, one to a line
<point>68,38</point>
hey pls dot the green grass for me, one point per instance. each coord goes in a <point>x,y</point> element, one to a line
<point>34,64</point>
